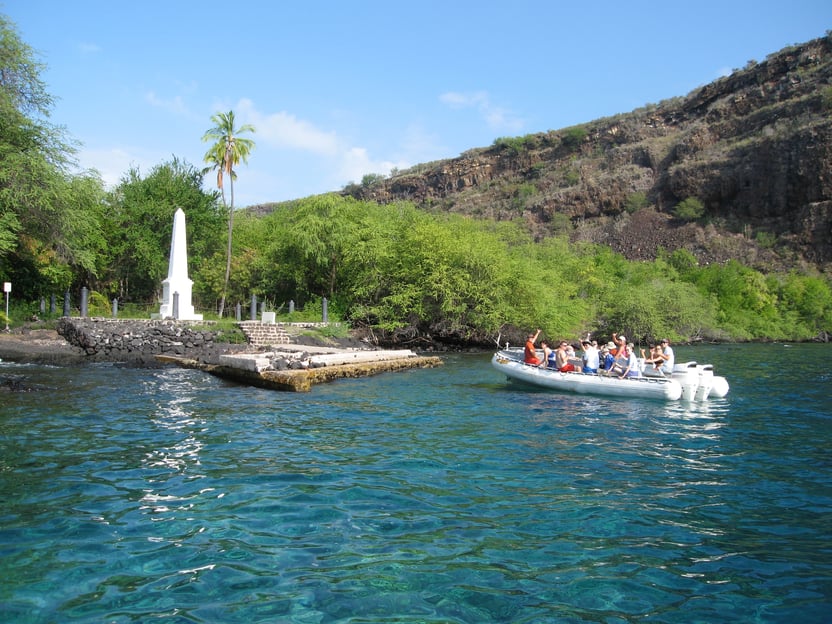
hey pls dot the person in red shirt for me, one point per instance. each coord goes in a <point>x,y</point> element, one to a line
<point>530,353</point>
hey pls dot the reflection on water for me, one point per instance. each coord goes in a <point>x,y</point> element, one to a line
<point>431,496</point>
<point>171,397</point>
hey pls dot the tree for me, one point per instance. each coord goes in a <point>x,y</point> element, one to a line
<point>139,221</point>
<point>49,218</point>
<point>227,151</point>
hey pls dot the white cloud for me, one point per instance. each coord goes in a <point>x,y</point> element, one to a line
<point>114,163</point>
<point>496,117</point>
<point>464,100</point>
<point>174,105</point>
<point>283,129</point>
<point>355,163</point>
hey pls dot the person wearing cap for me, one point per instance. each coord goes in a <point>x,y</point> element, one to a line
<point>530,352</point>
<point>607,357</point>
<point>620,346</point>
<point>620,353</point>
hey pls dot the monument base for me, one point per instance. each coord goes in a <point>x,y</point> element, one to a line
<point>164,314</point>
<point>173,290</point>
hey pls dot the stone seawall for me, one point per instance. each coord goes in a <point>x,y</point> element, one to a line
<point>260,334</point>
<point>192,345</point>
<point>117,340</point>
<point>264,334</point>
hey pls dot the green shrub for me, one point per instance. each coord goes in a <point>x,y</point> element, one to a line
<point>826,98</point>
<point>560,223</point>
<point>516,145</point>
<point>689,209</point>
<point>636,202</point>
<point>571,177</point>
<point>765,240</point>
<point>574,136</point>
<point>537,170</point>
<point>371,178</point>
<point>98,305</point>
<point>336,330</point>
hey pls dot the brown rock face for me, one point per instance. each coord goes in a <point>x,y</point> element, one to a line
<point>754,148</point>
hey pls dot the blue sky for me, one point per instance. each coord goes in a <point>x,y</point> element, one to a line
<point>340,89</point>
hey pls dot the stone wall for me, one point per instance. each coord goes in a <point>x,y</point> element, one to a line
<point>123,340</point>
<point>132,339</point>
<point>264,334</point>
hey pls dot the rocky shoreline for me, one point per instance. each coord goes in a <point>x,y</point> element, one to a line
<point>293,367</point>
<point>39,346</point>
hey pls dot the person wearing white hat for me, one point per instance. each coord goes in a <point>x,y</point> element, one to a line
<point>607,357</point>
<point>621,346</point>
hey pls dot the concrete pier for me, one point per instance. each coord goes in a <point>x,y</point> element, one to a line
<point>323,365</point>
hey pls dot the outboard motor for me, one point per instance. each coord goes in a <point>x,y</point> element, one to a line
<point>706,379</point>
<point>719,389</point>
<point>687,375</point>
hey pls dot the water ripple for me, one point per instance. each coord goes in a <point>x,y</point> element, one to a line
<point>421,497</point>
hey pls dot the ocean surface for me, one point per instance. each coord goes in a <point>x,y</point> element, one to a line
<point>437,495</point>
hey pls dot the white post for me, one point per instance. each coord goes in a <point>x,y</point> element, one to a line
<point>7,288</point>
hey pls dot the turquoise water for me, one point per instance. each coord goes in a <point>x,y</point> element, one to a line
<point>440,495</point>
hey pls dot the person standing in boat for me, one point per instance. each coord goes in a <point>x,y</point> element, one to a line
<point>530,352</point>
<point>562,358</point>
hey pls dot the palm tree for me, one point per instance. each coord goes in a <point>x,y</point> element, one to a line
<point>227,151</point>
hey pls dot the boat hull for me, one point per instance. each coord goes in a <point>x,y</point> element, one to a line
<point>581,383</point>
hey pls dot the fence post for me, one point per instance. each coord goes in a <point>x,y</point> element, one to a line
<point>324,308</point>
<point>253,311</point>
<point>115,308</point>
<point>239,312</point>
<point>66,303</point>
<point>84,297</point>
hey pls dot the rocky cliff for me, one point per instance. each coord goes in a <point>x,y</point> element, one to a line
<point>754,148</point>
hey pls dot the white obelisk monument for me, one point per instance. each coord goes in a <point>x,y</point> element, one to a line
<point>176,289</point>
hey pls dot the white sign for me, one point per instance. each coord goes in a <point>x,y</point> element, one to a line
<point>7,286</point>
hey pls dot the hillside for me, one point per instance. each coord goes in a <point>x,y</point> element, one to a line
<point>754,148</point>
